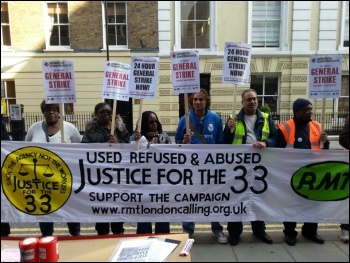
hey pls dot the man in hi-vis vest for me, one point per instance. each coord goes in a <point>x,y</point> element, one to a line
<point>250,126</point>
<point>301,132</point>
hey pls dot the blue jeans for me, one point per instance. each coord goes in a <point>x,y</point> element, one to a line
<point>189,227</point>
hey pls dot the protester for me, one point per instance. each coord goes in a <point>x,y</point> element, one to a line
<point>5,227</point>
<point>152,133</point>
<point>98,130</point>
<point>49,130</point>
<point>344,141</point>
<point>250,126</point>
<point>206,128</point>
<point>301,132</point>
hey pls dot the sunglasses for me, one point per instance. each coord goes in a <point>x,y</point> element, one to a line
<point>153,122</point>
<point>108,112</point>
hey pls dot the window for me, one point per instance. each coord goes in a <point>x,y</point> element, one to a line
<point>195,25</point>
<point>342,104</point>
<point>345,27</point>
<point>265,24</point>
<point>5,26</point>
<point>8,95</point>
<point>117,24</point>
<point>58,31</point>
<point>267,88</point>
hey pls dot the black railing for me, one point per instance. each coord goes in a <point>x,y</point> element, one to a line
<point>333,121</point>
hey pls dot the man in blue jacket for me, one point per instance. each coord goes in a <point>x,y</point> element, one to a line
<point>206,128</point>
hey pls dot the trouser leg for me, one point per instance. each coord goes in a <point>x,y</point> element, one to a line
<point>289,229</point>
<point>162,227</point>
<point>117,228</point>
<point>234,228</point>
<point>46,228</point>
<point>5,229</point>
<point>188,227</point>
<point>102,228</point>
<point>74,228</point>
<point>144,228</point>
<point>309,229</point>
<point>258,227</point>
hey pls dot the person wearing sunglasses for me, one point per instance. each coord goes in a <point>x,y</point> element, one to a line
<point>151,133</point>
<point>98,130</point>
<point>49,130</point>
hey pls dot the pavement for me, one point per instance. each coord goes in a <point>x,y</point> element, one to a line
<point>250,249</point>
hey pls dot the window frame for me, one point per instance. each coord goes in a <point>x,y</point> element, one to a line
<point>344,86</point>
<point>114,47</point>
<point>344,17</point>
<point>283,41</point>
<point>6,24</point>
<point>261,96</point>
<point>49,25</point>
<point>212,32</point>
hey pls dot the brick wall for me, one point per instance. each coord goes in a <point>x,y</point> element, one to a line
<point>27,25</point>
<point>143,25</point>
<point>85,25</point>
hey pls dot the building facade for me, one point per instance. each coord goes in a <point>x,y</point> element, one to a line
<point>283,35</point>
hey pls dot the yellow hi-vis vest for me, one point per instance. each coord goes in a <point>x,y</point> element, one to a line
<point>240,130</point>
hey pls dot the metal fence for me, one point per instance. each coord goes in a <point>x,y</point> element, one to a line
<point>333,121</point>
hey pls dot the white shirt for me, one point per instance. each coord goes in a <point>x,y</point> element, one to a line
<point>36,134</point>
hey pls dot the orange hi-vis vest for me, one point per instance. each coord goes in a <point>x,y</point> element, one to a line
<point>288,130</point>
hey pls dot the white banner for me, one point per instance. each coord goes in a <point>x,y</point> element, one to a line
<point>104,182</point>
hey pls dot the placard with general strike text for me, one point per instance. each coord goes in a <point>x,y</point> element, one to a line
<point>116,81</point>
<point>143,77</point>
<point>236,66</point>
<point>325,76</point>
<point>59,81</point>
<point>185,71</point>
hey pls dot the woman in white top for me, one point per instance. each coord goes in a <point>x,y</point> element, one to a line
<point>49,130</point>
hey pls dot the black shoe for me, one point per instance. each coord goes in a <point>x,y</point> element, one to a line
<point>234,240</point>
<point>120,233</point>
<point>316,238</point>
<point>76,234</point>
<point>264,237</point>
<point>290,240</point>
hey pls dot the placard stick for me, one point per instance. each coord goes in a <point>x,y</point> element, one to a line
<point>234,104</point>
<point>138,124</point>
<point>323,119</point>
<point>61,106</point>
<point>186,114</point>
<point>113,116</point>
